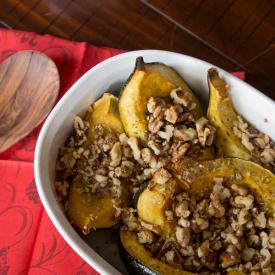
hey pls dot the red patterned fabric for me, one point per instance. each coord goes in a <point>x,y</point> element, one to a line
<point>29,243</point>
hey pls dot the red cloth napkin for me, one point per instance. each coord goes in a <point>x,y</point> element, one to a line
<point>29,243</point>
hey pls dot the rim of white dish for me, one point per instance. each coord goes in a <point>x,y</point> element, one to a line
<point>96,261</point>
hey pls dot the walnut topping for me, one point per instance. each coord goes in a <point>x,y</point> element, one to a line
<point>172,113</point>
<point>239,189</point>
<point>185,134</point>
<point>154,124</point>
<point>162,176</point>
<point>183,236</point>
<point>153,103</point>
<point>123,139</point>
<point>183,98</point>
<point>115,154</point>
<point>146,155</point>
<point>133,143</point>
<point>245,201</point>
<point>255,142</point>
<point>203,249</point>
<point>205,132</point>
<point>266,257</point>
<point>268,155</point>
<point>167,133</point>
<point>260,220</point>
<point>155,147</point>
<point>230,257</point>
<point>145,236</point>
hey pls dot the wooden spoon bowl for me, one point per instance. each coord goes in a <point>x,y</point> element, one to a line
<point>29,85</point>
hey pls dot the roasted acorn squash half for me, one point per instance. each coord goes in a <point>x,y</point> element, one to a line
<point>147,80</point>
<point>87,211</point>
<point>222,115</point>
<point>198,176</point>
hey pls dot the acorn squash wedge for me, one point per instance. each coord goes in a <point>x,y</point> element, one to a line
<point>222,115</point>
<point>147,80</point>
<point>105,111</point>
<point>152,203</point>
<point>198,175</point>
<point>139,260</point>
<point>89,211</point>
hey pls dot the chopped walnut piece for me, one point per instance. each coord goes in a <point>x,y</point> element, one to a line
<point>132,222</point>
<point>268,155</point>
<point>239,189</point>
<point>167,133</point>
<point>202,223</point>
<point>245,201</point>
<point>266,257</point>
<point>155,147</point>
<point>154,124</point>
<point>203,249</point>
<point>271,240</point>
<point>253,240</point>
<point>216,209</point>
<point>243,217</point>
<point>146,155</point>
<point>271,222</point>
<point>183,98</point>
<point>184,222</point>
<point>259,142</point>
<point>245,141</point>
<point>180,152</point>
<point>247,254</point>
<point>79,123</point>
<point>264,239</point>
<point>145,236</point>
<point>185,134</point>
<point>187,251</point>
<point>123,139</point>
<point>151,227</point>
<point>153,103</point>
<point>230,257</point>
<point>260,220</point>
<point>161,176</point>
<point>205,132</point>
<point>171,114</point>
<point>219,191</point>
<point>133,143</point>
<point>170,257</point>
<point>115,155</point>
<point>183,236</point>
<point>181,209</point>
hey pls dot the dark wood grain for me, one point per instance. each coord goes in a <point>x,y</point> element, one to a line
<point>232,34</point>
<point>29,85</point>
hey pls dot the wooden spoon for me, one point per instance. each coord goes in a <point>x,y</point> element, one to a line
<point>29,85</point>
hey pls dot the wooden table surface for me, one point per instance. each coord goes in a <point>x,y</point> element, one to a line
<point>232,34</point>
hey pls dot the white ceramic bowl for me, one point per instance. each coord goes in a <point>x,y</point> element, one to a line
<point>109,76</point>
